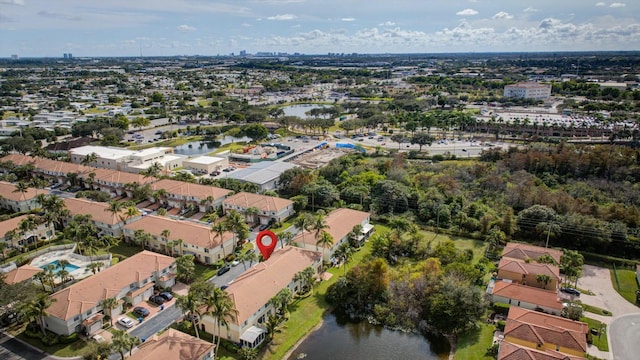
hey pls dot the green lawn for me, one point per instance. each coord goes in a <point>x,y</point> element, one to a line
<point>204,272</point>
<point>596,310</point>
<point>628,284</point>
<point>478,247</point>
<point>600,341</point>
<point>474,344</point>
<point>62,350</point>
<point>125,250</point>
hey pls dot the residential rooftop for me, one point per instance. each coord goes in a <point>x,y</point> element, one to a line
<point>261,202</point>
<point>526,251</point>
<point>173,345</point>
<point>528,294</point>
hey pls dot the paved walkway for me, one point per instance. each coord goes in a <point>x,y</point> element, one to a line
<point>619,333</point>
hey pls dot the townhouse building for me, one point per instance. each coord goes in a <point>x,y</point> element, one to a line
<point>267,209</point>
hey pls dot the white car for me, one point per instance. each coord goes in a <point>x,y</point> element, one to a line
<point>126,322</point>
<point>98,338</point>
<point>235,263</point>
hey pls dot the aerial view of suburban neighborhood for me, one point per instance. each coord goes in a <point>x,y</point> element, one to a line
<point>349,187</point>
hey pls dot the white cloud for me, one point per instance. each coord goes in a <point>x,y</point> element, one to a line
<point>601,4</point>
<point>185,28</point>
<point>348,19</point>
<point>387,23</point>
<point>531,10</point>
<point>54,15</point>
<point>283,17</point>
<point>502,16</point>
<point>467,12</point>
<point>617,5</point>
<point>245,25</point>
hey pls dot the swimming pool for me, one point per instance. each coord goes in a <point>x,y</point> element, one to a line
<point>68,267</point>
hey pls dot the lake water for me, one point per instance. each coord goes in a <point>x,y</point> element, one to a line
<point>299,110</point>
<point>205,147</point>
<point>336,339</point>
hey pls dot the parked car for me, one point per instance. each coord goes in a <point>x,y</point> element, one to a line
<point>235,263</point>
<point>140,311</point>
<point>156,299</point>
<point>570,291</point>
<point>159,132</point>
<point>166,295</point>
<point>263,227</point>
<point>125,321</point>
<point>223,269</point>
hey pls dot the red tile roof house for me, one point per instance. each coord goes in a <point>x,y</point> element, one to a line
<point>174,345</point>
<point>252,291</point>
<point>509,351</point>
<point>339,222</point>
<point>52,169</point>
<point>525,273</point>
<point>43,231</point>
<point>270,208</point>
<point>540,331</point>
<point>180,194</point>
<point>78,307</point>
<point>23,273</point>
<point>526,251</point>
<point>115,182</point>
<point>197,239</point>
<point>18,201</point>
<point>107,222</point>
<point>526,297</point>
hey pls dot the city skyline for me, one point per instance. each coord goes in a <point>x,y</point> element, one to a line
<point>37,28</point>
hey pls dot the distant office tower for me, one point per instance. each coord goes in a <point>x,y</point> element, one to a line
<point>67,56</point>
<point>529,90</point>
<point>15,57</point>
<point>243,52</point>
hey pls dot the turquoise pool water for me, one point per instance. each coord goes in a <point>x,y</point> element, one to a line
<point>68,267</point>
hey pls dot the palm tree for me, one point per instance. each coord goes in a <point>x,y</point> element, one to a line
<point>130,212</point>
<point>325,240</point>
<point>165,237</point>
<point>344,252</point>
<point>571,263</point>
<point>306,278</point>
<point>95,267</point>
<point>63,275</point>
<point>109,304</point>
<point>224,312</point>
<point>159,195</point>
<point>319,225</point>
<point>543,279</point>
<point>22,188</point>
<point>303,222</point>
<point>41,277</point>
<point>37,308</point>
<point>121,341</point>
<point>115,208</point>
<point>219,228</point>
<point>154,170</point>
<point>235,223</point>
<point>12,237</point>
<point>89,159</point>
<point>251,213</point>
<point>285,238</point>
<point>29,224</point>
<point>190,304</point>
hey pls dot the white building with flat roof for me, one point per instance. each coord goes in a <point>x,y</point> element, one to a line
<point>205,164</point>
<point>134,161</point>
<point>530,90</point>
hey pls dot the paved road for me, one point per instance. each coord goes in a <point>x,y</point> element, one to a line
<point>624,336</point>
<point>10,348</point>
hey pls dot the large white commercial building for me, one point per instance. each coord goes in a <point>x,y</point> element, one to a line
<point>134,161</point>
<point>530,90</point>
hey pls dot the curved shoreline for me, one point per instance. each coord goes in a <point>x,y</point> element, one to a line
<point>303,338</point>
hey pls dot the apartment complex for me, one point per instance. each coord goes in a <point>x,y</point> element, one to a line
<point>529,90</point>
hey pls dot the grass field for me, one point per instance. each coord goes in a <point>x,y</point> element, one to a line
<point>601,341</point>
<point>474,344</point>
<point>628,284</point>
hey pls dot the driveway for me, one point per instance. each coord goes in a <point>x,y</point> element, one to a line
<point>598,280</point>
<point>623,328</point>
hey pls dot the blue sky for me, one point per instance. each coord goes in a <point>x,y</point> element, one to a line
<point>212,27</point>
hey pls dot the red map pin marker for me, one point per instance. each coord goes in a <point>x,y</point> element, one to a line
<point>266,246</point>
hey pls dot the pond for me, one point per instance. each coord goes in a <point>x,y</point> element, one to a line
<point>205,147</point>
<point>299,110</point>
<point>339,339</point>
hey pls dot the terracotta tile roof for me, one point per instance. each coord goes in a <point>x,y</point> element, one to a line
<point>527,293</point>
<point>340,222</point>
<point>20,160</point>
<point>253,289</point>
<point>47,165</point>
<point>173,345</point>
<point>11,224</point>
<point>262,202</point>
<point>183,188</point>
<point>24,272</point>
<point>97,210</point>
<point>524,251</point>
<point>521,267</point>
<point>546,320</point>
<point>545,331</point>
<point>120,177</point>
<point>510,351</point>
<point>7,191</point>
<point>190,232</point>
<point>88,293</point>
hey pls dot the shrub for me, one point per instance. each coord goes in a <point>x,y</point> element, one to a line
<point>32,334</point>
<point>50,339</point>
<point>68,339</point>
<point>500,325</point>
<point>500,308</point>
